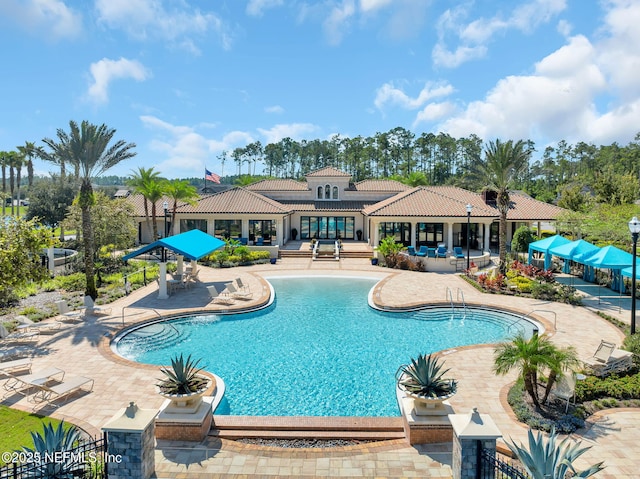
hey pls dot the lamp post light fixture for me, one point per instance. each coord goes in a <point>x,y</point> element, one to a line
<point>165,207</point>
<point>469,208</point>
<point>634,227</point>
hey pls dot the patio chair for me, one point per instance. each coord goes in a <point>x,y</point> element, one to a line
<point>234,293</point>
<point>411,251</point>
<point>422,251</point>
<point>68,314</point>
<point>608,359</point>
<point>62,391</point>
<point>240,286</point>
<point>20,384</point>
<point>218,296</point>
<point>441,251</point>
<point>260,241</point>
<point>8,367</point>
<point>91,308</point>
<point>565,388</point>
<point>44,327</point>
<point>457,252</point>
<point>431,252</point>
<point>194,276</point>
<point>18,337</point>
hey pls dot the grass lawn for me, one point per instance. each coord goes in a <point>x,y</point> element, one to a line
<point>16,426</point>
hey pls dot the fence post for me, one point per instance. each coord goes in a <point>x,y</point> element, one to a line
<point>471,433</point>
<point>144,275</point>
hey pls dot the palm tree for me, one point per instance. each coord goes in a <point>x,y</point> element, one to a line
<point>529,356</point>
<point>552,460</point>
<point>563,359</point>
<point>29,150</point>
<point>86,147</point>
<point>154,192</point>
<point>502,165</point>
<point>15,166</point>
<point>180,190</point>
<point>4,162</point>
<point>138,182</point>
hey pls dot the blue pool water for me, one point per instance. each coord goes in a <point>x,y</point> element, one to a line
<point>319,350</point>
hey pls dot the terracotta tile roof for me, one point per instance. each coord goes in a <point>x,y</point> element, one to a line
<point>236,200</point>
<point>137,201</point>
<point>328,171</point>
<point>451,201</point>
<point>356,206</point>
<point>432,201</point>
<point>380,185</point>
<point>278,185</point>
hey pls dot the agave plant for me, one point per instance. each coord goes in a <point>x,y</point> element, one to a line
<point>53,443</point>
<point>552,460</point>
<point>424,376</point>
<point>183,377</point>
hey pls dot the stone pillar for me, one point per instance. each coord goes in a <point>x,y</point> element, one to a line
<point>471,433</point>
<point>180,264</point>
<point>131,443</point>
<point>449,241</point>
<point>162,276</point>
<point>51,258</point>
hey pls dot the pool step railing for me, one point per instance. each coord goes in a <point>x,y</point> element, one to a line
<point>459,294</point>
<point>307,427</point>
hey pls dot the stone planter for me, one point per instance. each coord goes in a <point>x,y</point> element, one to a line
<point>185,403</point>
<point>427,406</point>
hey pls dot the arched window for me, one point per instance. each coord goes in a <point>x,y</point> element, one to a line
<point>327,192</point>
<point>320,190</point>
<point>335,193</point>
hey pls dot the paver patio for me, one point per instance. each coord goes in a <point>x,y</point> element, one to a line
<point>84,350</point>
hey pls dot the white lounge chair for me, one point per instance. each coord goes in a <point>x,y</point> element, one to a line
<point>18,337</point>
<point>565,388</point>
<point>19,384</point>
<point>91,308</point>
<point>218,296</point>
<point>62,391</point>
<point>67,314</point>
<point>238,294</point>
<point>608,359</point>
<point>48,327</point>
<point>8,367</point>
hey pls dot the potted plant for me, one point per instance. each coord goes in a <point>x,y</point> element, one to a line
<point>294,234</point>
<point>359,235</point>
<point>374,260</point>
<point>183,383</point>
<point>423,381</point>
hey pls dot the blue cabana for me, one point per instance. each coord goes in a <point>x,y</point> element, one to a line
<point>614,259</point>
<point>628,272</point>
<point>192,245</point>
<point>544,245</point>
<point>569,251</point>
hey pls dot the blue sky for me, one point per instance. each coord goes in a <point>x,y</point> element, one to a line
<point>186,80</point>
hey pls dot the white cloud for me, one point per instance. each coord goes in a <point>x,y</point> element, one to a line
<point>149,20</point>
<point>187,151</point>
<point>295,131</point>
<point>277,109</point>
<point>105,71</point>
<point>371,5</point>
<point>337,23</point>
<point>388,94</point>
<point>473,36</point>
<point>433,112</point>
<point>51,17</point>
<point>256,8</point>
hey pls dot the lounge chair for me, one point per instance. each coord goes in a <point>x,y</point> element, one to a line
<point>422,251</point>
<point>18,337</point>
<point>240,286</point>
<point>218,296</point>
<point>411,251</point>
<point>67,314</point>
<point>457,252</point>
<point>565,388</point>
<point>8,367</point>
<point>63,390</point>
<point>20,384</point>
<point>608,359</point>
<point>44,327</point>
<point>231,289</point>
<point>441,251</point>
<point>91,308</point>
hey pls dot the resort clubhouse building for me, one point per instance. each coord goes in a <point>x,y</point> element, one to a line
<point>328,205</point>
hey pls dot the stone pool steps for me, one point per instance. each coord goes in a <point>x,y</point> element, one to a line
<point>354,428</point>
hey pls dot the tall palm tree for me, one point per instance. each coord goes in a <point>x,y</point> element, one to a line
<point>499,170</point>
<point>29,150</point>
<point>529,356</point>
<point>154,192</point>
<point>180,190</point>
<point>138,182</point>
<point>15,166</point>
<point>562,359</point>
<point>4,162</point>
<point>86,147</point>
<point>552,460</point>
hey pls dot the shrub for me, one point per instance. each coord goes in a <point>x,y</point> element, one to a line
<point>72,282</point>
<point>632,343</point>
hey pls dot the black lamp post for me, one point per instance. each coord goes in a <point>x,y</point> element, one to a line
<point>634,227</point>
<point>469,208</point>
<point>165,207</point>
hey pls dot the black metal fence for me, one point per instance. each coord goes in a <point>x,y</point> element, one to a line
<point>87,460</point>
<point>491,467</point>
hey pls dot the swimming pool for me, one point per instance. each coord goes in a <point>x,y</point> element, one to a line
<point>319,350</point>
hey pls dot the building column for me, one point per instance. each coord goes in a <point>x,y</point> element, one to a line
<point>449,236</point>
<point>487,237</point>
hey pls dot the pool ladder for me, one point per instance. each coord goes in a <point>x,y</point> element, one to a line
<point>459,294</point>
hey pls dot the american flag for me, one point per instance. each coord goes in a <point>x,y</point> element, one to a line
<point>211,176</point>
